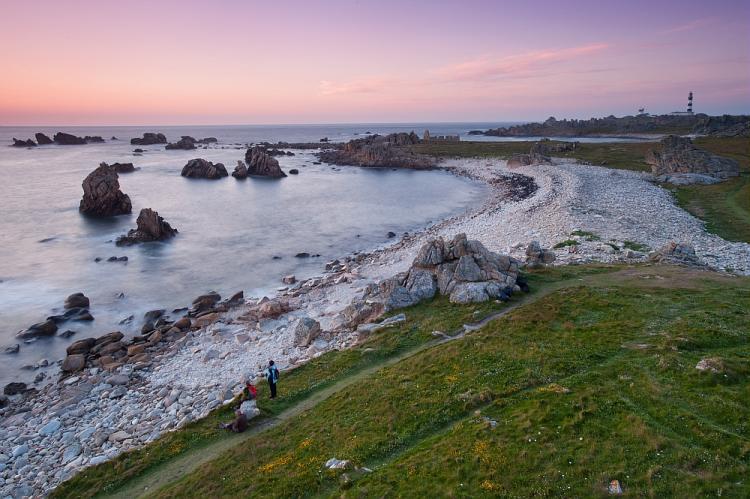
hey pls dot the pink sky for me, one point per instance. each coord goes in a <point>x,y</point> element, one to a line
<point>243,62</point>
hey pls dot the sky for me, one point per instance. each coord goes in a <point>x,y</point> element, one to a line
<point>138,62</point>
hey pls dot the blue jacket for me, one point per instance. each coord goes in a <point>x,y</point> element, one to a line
<point>272,374</point>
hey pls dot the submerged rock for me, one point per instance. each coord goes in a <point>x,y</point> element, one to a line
<point>102,195</point>
<point>150,227</point>
<point>261,164</point>
<point>200,168</point>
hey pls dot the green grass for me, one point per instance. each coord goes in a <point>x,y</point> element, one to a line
<point>295,386</point>
<point>591,383</point>
<point>632,245</point>
<point>567,242</point>
<point>725,207</point>
<point>589,236</point>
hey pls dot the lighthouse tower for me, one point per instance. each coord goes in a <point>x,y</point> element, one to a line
<point>690,103</point>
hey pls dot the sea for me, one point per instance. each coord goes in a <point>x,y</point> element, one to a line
<point>233,235</point>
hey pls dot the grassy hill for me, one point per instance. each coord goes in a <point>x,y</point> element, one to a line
<point>590,378</point>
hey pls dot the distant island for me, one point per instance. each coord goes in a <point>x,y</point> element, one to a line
<point>642,124</point>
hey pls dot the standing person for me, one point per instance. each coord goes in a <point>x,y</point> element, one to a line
<point>272,374</point>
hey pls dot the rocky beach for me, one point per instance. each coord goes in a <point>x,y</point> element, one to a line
<point>558,213</point>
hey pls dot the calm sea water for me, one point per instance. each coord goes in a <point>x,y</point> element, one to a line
<point>229,230</point>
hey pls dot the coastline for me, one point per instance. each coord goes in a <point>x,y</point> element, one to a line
<point>207,365</point>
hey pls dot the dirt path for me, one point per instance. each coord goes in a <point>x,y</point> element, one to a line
<point>192,459</point>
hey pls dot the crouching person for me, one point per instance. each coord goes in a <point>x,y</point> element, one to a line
<point>239,424</point>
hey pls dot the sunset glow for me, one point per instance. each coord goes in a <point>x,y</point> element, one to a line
<point>238,62</point>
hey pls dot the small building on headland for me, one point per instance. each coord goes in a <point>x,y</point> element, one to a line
<point>439,138</point>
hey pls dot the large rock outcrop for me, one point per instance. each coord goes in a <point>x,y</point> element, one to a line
<point>462,269</point>
<point>149,138</point>
<point>261,164</point>
<point>380,151</point>
<point>240,171</point>
<point>23,143</point>
<point>149,227</point>
<point>66,139</point>
<point>200,168</point>
<point>43,140</point>
<point>102,195</point>
<point>123,167</point>
<point>186,143</point>
<point>678,155</point>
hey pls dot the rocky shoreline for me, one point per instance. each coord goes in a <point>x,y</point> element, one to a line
<point>581,213</point>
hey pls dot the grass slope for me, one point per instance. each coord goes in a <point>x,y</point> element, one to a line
<point>591,383</point>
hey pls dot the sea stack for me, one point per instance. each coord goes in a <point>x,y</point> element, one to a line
<point>260,164</point>
<point>149,227</point>
<point>102,195</point>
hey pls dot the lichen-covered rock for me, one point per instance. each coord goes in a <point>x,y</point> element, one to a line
<point>102,195</point>
<point>150,227</point>
<point>462,269</point>
<point>679,155</point>
<point>200,168</point>
<point>261,164</point>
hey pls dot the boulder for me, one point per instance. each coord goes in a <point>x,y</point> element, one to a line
<point>240,171</point>
<point>74,363</point>
<point>208,140</point>
<point>538,257</point>
<point>205,302</point>
<point>149,227</point>
<point>679,155</point>
<point>294,171</point>
<point>46,328</point>
<point>42,139</point>
<point>14,388</point>
<point>23,143</point>
<point>109,338</point>
<point>186,143</point>
<point>11,349</point>
<point>81,346</point>
<point>72,314</point>
<point>66,139</point>
<point>102,195</point>
<point>76,300</point>
<point>261,164</point>
<point>462,269</point>
<point>200,168</point>
<point>149,138</point>
<point>676,253</point>
<point>305,331</point>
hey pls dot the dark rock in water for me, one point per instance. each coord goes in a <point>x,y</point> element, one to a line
<point>207,140</point>
<point>324,139</point>
<point>14,388</point>
<point>153,315</point>
<point>43,140</point>
<point>46,328</point>
<point>66,334</point>
<point>200,168</point>
<point>261,164</point>
<point>4,401</point>
<point>138,150</point>
<point>73,314</point>
<point>102,195</point>
<point>294,171</point>
<point>77,300</point>
<point>148,139</point>
<point>11,349</point>
<point>93,139</point>
<point>380,151</point>
<point>236,299</point>
<point>679,155</point>
<point>240,171</point>
<point>114,138</point>
<point>186,142</point>
<point>47,239</point>
<point>23,143</point>
<point>66,139</point>
<point>118,258</point>
<point>275,257</point>
<point>123,167</point>
<point>303,254</point>
<point>150,227</point>
<point>391,235</point>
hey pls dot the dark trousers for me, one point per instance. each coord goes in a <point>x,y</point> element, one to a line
<point>272,385</point>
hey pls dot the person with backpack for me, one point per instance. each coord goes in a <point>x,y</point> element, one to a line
<point>272,375</point>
